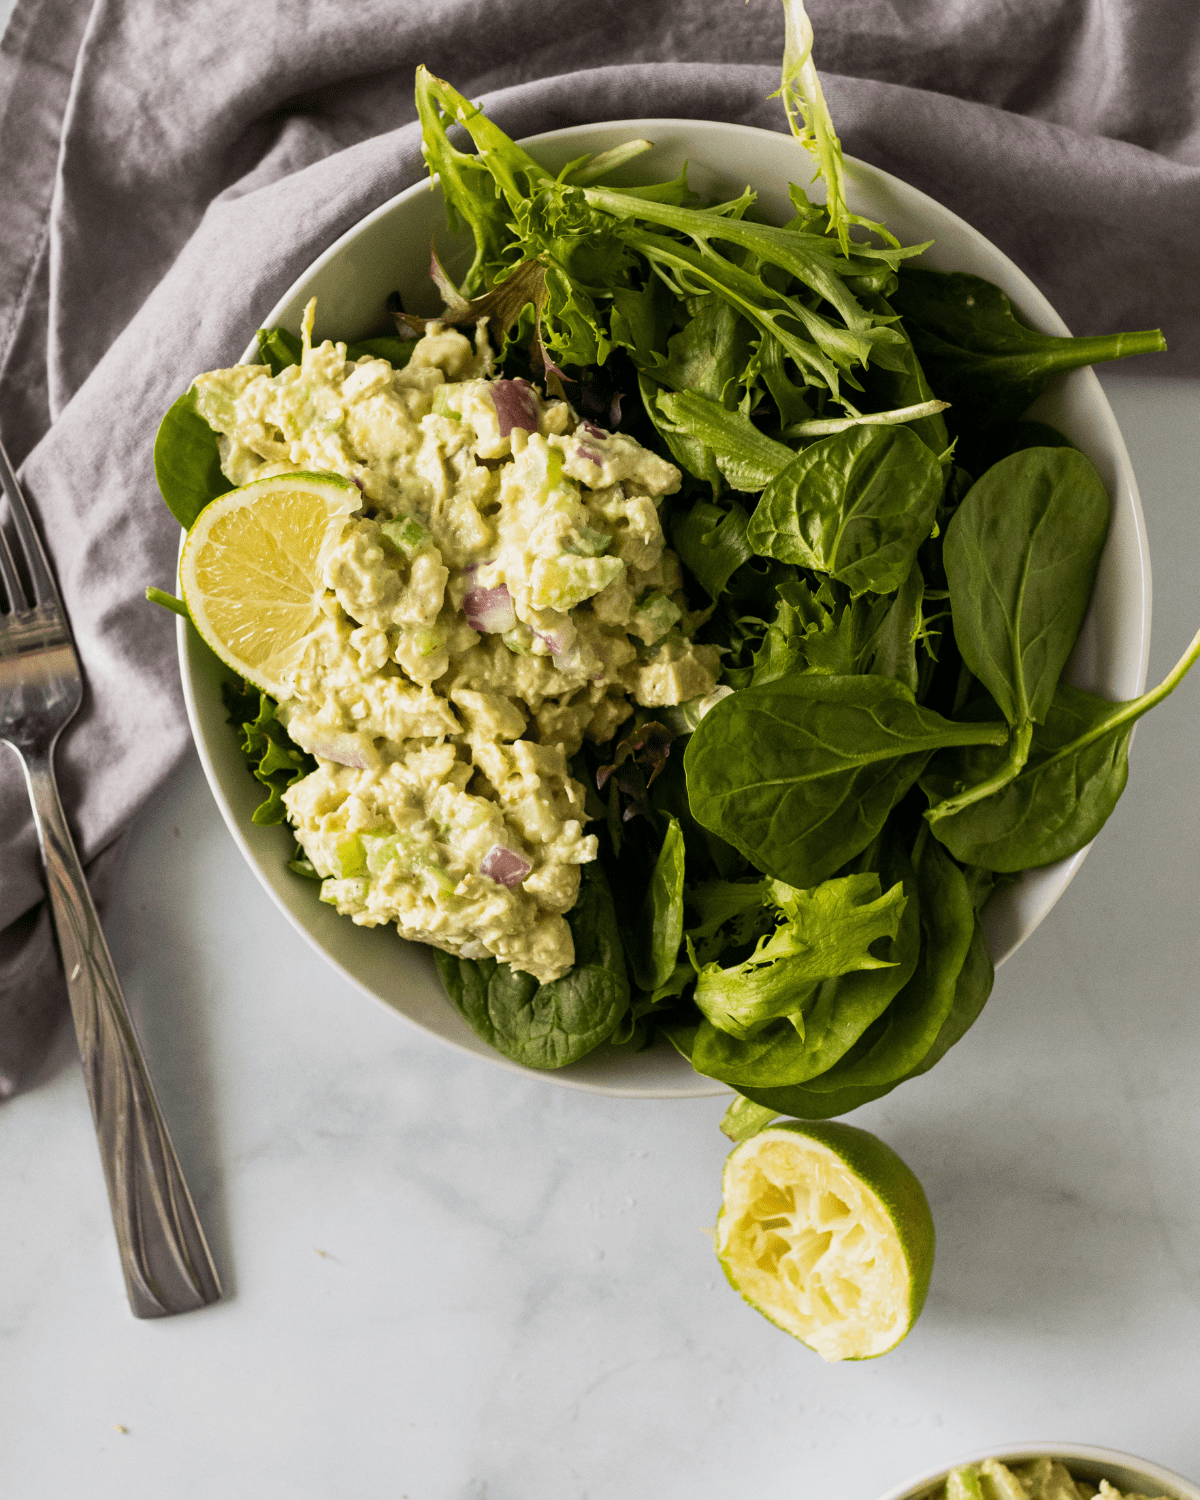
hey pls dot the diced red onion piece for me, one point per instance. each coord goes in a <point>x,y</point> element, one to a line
<point>591,453</point>
<point>593,431</point>
<point>504,866</point>
<point>568,661</point>
<point>516,405</point>
<point>342,748</point>
<point>489,610</point>
<point>556,640</point>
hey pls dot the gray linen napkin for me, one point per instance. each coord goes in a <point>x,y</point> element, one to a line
<point>170,166</point>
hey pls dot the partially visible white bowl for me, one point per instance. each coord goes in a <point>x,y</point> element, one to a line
<point>1127,1473</point>
<point>389,251</point>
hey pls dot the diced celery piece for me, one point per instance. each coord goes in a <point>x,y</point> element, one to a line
<point>381,851</point>
<point>563,582</point>
<point>588,543</point>
<point>657,614</point>
<point>405,535</point>
<point>441,403</point>
<point>519,640</point>
<point>963,1484</point>
<point>427,642</point>
<point>350,856</point>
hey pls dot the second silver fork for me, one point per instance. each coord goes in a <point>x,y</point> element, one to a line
<point>166,1261</point>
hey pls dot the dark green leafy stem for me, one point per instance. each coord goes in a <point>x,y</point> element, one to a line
<point>1076,771</point>
<point>981,358</point>
<point>549,1025</point>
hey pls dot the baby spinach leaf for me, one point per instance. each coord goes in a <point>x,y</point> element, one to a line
<point>549,1025</point>
<point>711,541</point>
<point>1077,769</point>
<point>826,931</point>
<point>187,461</point>
<point>1021,556</point>
<point>980,357</point>
<point>396,351</point>
<point>277,348</point>
<point>659,930</point>
<point>801,774</point>
<point>273,757</point>
<point>856,505</point>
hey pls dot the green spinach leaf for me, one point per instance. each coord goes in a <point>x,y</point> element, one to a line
<point>856,505</point>
<point>1021,556</point>
<point>980,357</point>
<point>187,461</point>
<point>549,1025</point>
<point>801,774</point>
<point>659,930</point>
<point>1077,769</point>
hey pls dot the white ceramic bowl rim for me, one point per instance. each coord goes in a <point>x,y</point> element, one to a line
<point>1112,655</point>
<point>1124,1470</point>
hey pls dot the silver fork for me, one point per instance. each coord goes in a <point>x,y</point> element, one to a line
<point>167,1265</point>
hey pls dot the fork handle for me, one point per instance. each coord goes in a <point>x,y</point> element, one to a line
<point>167,1265</point>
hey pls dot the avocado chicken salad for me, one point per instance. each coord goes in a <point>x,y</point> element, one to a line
<point>502,591</point>
<point>686,658</point>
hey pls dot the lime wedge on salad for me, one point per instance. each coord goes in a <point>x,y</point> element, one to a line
<point>251,570</point>
<point>828,1234</point>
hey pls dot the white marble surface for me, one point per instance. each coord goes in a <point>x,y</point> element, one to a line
<point>448,1281</point>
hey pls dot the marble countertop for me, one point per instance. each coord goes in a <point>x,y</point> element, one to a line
<point>447,1280</point>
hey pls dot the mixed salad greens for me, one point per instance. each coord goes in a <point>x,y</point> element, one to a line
<point>894,562</point>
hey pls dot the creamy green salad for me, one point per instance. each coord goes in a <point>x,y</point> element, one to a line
<point>503,592</point>
<point>692,667</point>
<point>1040,1479</point>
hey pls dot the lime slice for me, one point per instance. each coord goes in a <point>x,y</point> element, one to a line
<point>827,1233</point>
<point>251,569</point>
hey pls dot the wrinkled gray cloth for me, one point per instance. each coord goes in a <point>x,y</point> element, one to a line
<point>168,168</point>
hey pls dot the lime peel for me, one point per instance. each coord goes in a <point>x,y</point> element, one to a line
<point>828,1234</point>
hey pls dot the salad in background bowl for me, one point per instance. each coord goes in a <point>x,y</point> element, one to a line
<point>1038,1467</point>
<point>685,865</point>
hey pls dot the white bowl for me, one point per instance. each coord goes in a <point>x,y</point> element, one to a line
<point>389,251</point>
<point>1123,1470</point>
